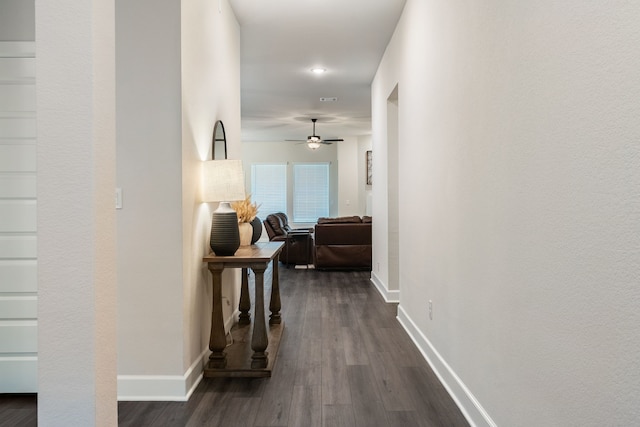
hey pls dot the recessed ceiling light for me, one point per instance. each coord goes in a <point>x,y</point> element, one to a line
<point>318,70</point>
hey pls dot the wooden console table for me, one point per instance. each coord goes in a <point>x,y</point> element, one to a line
<point>234,360</point>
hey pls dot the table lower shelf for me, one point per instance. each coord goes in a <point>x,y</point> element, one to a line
<point>239,353</point>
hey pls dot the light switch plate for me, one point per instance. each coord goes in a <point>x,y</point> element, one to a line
<point>118,198</point>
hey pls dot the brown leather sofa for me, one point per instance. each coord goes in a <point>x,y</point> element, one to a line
<point>298,247</point>
<point>343,243</point>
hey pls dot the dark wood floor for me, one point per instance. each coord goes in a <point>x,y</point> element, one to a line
<point>344,360</point>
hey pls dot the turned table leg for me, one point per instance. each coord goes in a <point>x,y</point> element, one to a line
<point>274,303</point>
<point>245,300</point>
<point>259,339</point>
<point>217,339</point>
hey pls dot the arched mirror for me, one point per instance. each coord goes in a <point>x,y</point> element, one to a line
<point>219,142</point>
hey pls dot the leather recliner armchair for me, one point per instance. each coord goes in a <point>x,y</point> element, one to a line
<point>343,243</point>
<point>298,247</point>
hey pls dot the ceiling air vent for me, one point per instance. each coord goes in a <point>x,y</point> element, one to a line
<point>332,99</point>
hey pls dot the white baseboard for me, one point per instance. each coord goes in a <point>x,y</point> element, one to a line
<point>176,388</point>
<point>19,373</point>
<point>466,401</point>
<point>389,296</point>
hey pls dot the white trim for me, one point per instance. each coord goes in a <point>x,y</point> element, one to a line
<point>389,296</point>
<point>19,373</point>
<point>193,376</point>
<point>18,115</point>
<point>23,81</point>
<point>473,411</point>
<point>18,49</point>
<point>177,388</point>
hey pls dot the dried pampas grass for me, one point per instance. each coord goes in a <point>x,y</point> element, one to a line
<point>246,210</point>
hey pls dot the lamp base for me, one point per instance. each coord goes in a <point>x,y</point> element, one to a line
<point>225,237</point>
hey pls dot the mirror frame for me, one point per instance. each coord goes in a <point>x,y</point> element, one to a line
<point>218,135</point>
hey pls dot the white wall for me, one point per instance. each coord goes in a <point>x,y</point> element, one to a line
<point>364,190</point>
<point>177,74</point>
<point>348,203</point>
<point>210,92</point>
<point>149,171</point>
<point>519,124</point>
<point>352,177</point>
<point>77,362</point>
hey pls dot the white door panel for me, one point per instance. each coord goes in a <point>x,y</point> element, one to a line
<point>18,241</point>
<point>18,247</point>
<point>18,276</point>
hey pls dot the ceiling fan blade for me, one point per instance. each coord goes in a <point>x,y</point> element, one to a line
<point>315,139</point>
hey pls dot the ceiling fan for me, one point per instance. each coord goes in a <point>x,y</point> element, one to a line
<point>314,140</point>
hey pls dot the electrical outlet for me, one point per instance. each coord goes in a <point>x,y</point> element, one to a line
<point>430,310</point>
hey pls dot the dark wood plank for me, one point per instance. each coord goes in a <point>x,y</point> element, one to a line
<point>276,400</point>
<point>241,412</point>
<point>18,410</point>
<point>406,419</point>
<point>306,406</point>
<point>355,351</point>
<point>309,373</point>
<point>391,385</point>
<point>337,416</point>
<point>213,405</point>
<point>433,403</point>
<point>368,409</point>
<point>133,414</point>
<point>407,354</point>
<point>331,336</point>
<point>309,366</point>
<point>335,383</point>
<point>18,417</point>
<point>344,360</point>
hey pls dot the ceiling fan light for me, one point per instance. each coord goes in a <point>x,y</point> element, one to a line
<point>313,145</point>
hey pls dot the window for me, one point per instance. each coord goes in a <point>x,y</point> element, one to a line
<point>310,191</point>
<point>269,188</point>
<point>307,195</point>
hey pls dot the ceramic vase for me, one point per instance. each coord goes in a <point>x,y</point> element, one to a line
<point>257,229</point>
<point>246,231</point>
<point>224,231</point>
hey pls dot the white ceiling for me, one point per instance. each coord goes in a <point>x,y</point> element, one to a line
<point>281,40</point>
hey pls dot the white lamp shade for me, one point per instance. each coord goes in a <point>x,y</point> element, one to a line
<point>222,181</point>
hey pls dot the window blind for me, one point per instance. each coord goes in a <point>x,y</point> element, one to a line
<point>310,191</point>
<point>269,188</point>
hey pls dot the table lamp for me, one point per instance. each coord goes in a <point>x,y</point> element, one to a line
<point>223,181</point>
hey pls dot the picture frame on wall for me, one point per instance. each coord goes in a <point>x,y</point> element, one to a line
<point>369,167</point>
